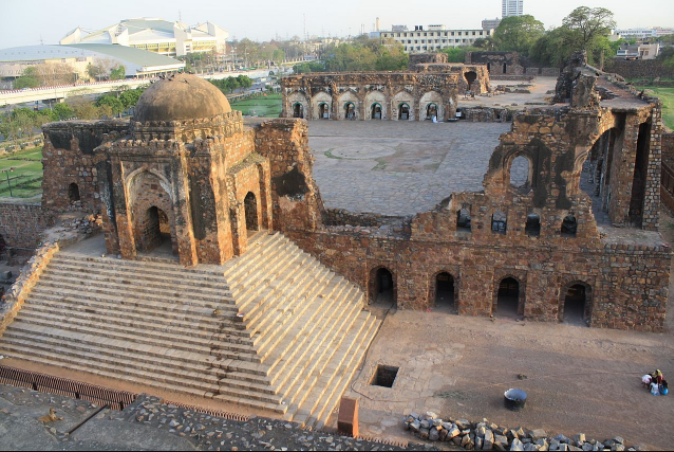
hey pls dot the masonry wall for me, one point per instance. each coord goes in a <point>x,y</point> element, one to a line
<point>638,68</point>
<point>22,224</point>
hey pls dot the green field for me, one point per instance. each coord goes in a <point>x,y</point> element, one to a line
<point>24,169</point>
<point>267,107</point>
<point>666,95</point>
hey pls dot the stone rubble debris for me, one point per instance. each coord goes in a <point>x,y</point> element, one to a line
<point>488,436</point>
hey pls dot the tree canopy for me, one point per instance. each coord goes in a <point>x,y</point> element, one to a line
<point>518,34</point>
<point>589,24</point>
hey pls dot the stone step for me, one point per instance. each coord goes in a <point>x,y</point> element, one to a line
<point>316,345</point>
<point>255,279</point>
<point>183,385</point>
<point>136,285</point>
<point>322,308</point>
<point>169,268</point>
<point>288,303</point>
<point>263,250</point>
<point>130,297</point>
<point>187,315</point>
<point>38,313</point>
<point>324,403</point>
<point>160,277</point>
<point>138,335</point>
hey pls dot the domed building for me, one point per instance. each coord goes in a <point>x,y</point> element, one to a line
<point>184,176</point>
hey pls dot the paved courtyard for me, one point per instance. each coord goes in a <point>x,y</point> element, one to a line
<point>396,168</point>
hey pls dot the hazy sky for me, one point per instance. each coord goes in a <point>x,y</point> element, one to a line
<point>23,22</point>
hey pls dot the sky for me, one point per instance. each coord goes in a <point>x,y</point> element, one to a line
<point>28,22</point>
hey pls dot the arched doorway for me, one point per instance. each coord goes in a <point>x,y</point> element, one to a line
<point>470,76</point>
<point>404,112</point>
<point>155,230</point>
<point>575,304</point>
<point>349,111</point>
<point>569,226</point>
<point>298,111</point>
<point>508,298</point>
<point>383,288</point>
<point>444,291</point>
<point>252,218</point>
<point>376,111</point>
<point>73,192</point>
<point>323,111</point>
<point>432,112</point>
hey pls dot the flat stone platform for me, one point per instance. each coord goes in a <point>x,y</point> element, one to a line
<point>399,168</point>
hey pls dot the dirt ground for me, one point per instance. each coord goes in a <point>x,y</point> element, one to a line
<point>578,379</point>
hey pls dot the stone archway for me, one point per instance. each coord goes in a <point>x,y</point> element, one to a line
<point>576,303</point>
<point>298,110</point>
<point>153,230</point>
<point>377,111</point>
<point>404,112</point>
<point>323,111</point>
<point>350,111</point>
<point>470,77</point>
<point>383,288</point>
<point>508,298</point>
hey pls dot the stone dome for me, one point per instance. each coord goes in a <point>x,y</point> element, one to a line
<point>184,97</point>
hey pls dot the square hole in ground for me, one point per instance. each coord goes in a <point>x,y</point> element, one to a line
<point>384,376</point>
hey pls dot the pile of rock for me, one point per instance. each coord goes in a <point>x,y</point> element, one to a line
<point>488,436</point>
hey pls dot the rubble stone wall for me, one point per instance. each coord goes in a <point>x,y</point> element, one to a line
<point>21,224</point>
<point>631,69</point>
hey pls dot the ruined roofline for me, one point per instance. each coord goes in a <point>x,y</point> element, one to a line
<point>321,74</point>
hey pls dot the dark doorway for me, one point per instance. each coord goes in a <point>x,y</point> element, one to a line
<point>463,220</point>
<point>404,112</point>
<point>533,226</point>
<point>505,68</point>
<point>384,289</point>
<point>508,301</point>
<point>444,291</point>
<point>323,111</point>
<point>640,176</point>
<point>155,230</point>
<point>73,192</point>
<point>489,67</point>
<point>431,112</point>
<point>250,207</point>
<point>575,304</point>
<point>376,111</point>
<point>569,226</point>
<point>298,111</point>
<point>350,112</point>
<point>471,76</point>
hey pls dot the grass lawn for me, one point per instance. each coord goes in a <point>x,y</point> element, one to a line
<point>666,95</point>
<point>27,166</point>
<point>268,107</point>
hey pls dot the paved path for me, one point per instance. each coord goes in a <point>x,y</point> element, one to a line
<point>399,169</point>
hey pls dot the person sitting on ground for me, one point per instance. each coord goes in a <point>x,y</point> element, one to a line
<point>664,388</point>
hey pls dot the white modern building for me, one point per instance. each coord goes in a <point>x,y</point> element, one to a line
<point>513,8</point>
<point>643,33</point>
<point>433,37</point>
<point>155,35</point>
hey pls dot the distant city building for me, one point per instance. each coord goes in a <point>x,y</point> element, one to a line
<point>137,63</point>
<point>433,38</point>
<point>491,24</point>
<point>155,35</point>
<point>639,51</point>
<point>643,33</point>
<point>513,8</point>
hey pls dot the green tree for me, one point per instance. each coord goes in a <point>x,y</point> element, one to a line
<point>130,97</point>
<point>486,44</point>
<point>458,54</point>
<point>63,112</point>
<point>518,34</point>
<point>308,67</point>
<point>95,71</point>
<point>118,73</point>
<point>110,103</point>
<point>590,24</point>
<point>29,79</point>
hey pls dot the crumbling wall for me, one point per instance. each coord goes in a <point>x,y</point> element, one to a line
<point>22,223</point>
<point>68,158</point>
<point>426,58</point>
<point>639,69</point>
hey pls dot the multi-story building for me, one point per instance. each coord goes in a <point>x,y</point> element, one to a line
<point>643,33</point>
<point>491,24</point>
<point>155,35</point>
<point>433,37</point>
<point>639,51</point>
<point>513,8</point>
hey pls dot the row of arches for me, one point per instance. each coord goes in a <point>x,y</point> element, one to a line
<point>509,297</point>
<point>532,227</point>
<point>376,111</point>
<point>374,105</point>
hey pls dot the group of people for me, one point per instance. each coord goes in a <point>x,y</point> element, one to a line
<point>656,383</point>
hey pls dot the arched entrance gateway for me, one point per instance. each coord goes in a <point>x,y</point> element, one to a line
<point>404,112</point>
<point>298,111</point>
<point>445,291</point>
<point>349,111</point>
<point>383,291</point>
<point>508,298</point>
<point>575,304</point>
<point>432,112</point>
<point>323,111</point>
<point>155,231</point>
<point>376,111</point>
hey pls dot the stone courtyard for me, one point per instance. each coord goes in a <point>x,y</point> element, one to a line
<point>397,168</point>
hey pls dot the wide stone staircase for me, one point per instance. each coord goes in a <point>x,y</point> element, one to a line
<point>273,330</point>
